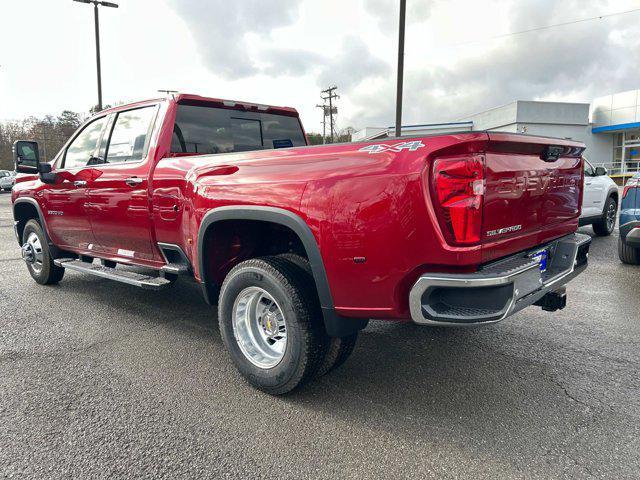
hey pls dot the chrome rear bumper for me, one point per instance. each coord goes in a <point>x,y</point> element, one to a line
<point>498,289</point>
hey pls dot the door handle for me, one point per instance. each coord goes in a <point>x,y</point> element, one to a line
<point>133,181</point>
<point>80,183</point>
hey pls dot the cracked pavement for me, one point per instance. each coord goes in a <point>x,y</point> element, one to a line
<point>98,379</point>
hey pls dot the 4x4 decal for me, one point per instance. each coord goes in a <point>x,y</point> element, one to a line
<point>397,147</point>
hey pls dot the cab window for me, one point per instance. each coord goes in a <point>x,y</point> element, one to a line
<point>200,129</point>
<point>129,139</point>
<point>82,148</point>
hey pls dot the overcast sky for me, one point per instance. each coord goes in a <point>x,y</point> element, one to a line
<point>283,52</point>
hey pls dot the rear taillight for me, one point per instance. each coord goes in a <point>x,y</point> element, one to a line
<point>631,183</point>
<point>458,187</point>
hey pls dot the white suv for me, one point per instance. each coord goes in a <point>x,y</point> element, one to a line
<point>7,179</point>
<point>599,201</point>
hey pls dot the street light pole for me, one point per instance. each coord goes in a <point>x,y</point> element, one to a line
<point>403,10</point>
<point>97,30</point>
<point>96,4</point>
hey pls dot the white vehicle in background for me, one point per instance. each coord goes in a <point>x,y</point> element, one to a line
<point>7,180</point>
<point>599,200</point>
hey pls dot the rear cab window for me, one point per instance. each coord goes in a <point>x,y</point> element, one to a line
<point>209,130</point>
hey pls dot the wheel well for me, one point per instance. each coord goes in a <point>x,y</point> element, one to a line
<point>22,213</point>
<point>229,242</point>
<point>229,235</point>
<point>614,195</point>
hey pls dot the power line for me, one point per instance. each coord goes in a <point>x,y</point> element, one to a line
<point>544,27</point>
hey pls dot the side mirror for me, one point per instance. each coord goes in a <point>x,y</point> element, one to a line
<point>26,156</point>
<point>46,173</point>
<point>601,171</point>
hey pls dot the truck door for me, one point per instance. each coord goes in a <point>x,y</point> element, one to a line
<point>118,198</point>
<point>65,201</point>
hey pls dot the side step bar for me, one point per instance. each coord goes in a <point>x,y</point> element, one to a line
<point>175,269</point>
<point>141,280</point>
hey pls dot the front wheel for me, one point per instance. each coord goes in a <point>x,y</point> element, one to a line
<point>604,226</point>
<point>271,323</point>
<point>37,256</point>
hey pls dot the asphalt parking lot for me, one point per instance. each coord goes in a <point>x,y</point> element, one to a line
<point>99,379</point>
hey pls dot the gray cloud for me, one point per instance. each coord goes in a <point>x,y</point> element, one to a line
<point>386,12</point>
<point>351,65</point>
<point>282,61</point>
<point>581,59</point>
<point>219,28</point>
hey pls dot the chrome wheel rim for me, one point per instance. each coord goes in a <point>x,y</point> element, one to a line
<point>32,252</point>
<point>259,327</point>
<point>611,216</point>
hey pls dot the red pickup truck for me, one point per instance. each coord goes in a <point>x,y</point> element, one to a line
<point>299,246</point>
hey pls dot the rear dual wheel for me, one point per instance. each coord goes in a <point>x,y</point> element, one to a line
<point>339,348</point>
<point>271,323</point>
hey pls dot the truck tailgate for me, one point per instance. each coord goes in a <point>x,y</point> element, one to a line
<point>533,192</point>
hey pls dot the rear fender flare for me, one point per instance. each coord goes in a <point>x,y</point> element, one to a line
<point>335,325</point>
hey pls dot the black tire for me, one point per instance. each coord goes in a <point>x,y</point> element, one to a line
<point>629,255</point>
<point>306,339</point>
<point>340,348</point>
<point>604,227</point>
<point>298,260</point>
<point>47,273</point>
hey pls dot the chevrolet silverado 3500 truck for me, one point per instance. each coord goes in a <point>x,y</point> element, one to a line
<point>299,246</point>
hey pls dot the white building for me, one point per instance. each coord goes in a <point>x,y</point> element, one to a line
<point>609,127</point>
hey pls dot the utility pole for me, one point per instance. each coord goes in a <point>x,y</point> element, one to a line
<point>97,30</point>
<point>403,11</point>
<point>324,121</point>
<point>96,4</point>
<point>329,94</point>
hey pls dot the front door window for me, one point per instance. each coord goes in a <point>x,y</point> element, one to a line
<point>83,147</point>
